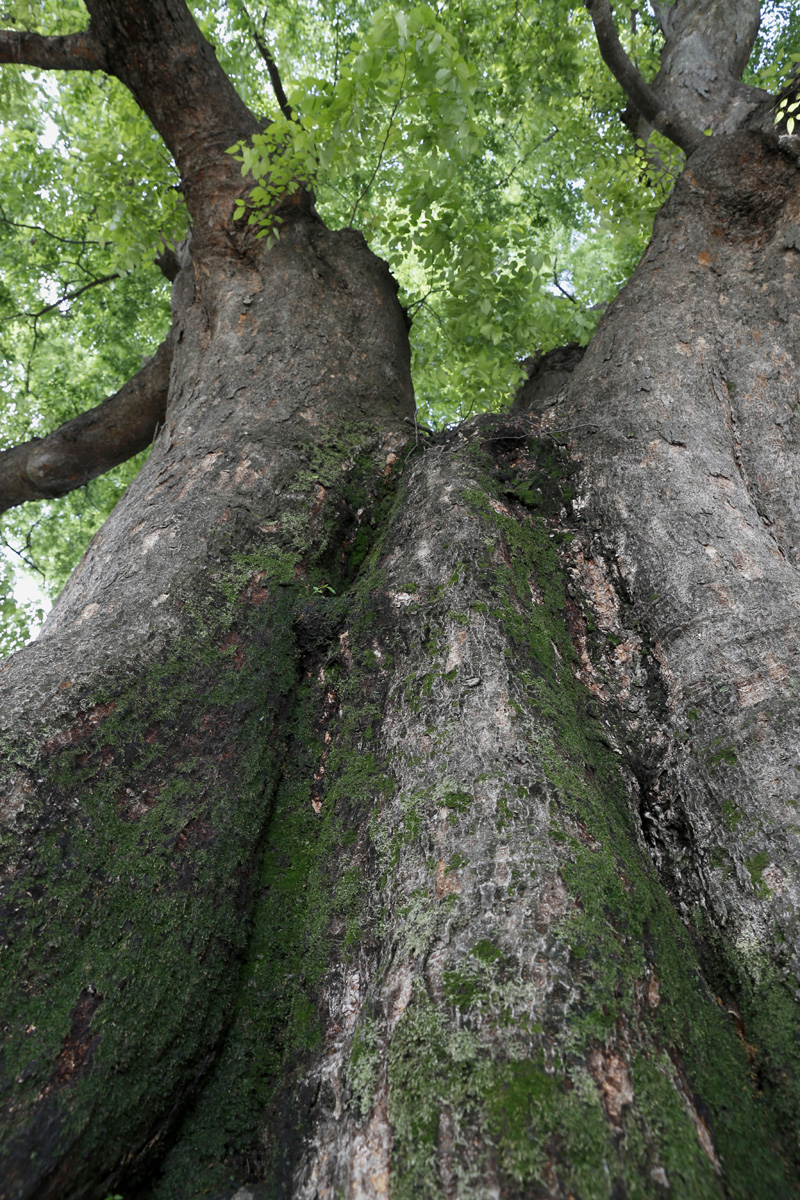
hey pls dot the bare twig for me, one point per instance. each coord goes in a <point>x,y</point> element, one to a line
<point>274,78</point>
<point>29,563</point>
<point>563,291</point>
<point>82,242</point>
<point>71,296</point>
<point>272,69</point>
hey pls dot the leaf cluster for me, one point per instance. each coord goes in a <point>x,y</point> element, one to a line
<point>478,147</point>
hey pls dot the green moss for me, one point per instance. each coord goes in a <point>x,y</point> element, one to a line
<point>622,921</point>
<point>755,866</point>
<point>145,911</point>
<point>362,1070</point>
<point>315,907</point>
<point>457,801</point>
<point>155,894</point>
<point>506,1080</point>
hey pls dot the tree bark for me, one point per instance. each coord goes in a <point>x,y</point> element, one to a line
<point>388,819</point>
<point>92,443</point>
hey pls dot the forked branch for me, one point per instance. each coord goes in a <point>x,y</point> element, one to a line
<point>673,126</point>
<point>92,443</point>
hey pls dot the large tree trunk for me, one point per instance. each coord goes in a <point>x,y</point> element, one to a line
<point>387,819</point>
<point>146,730</point>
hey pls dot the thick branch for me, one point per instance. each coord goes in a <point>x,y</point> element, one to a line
<point>707,46</point>
<point>92,443</point>
<point>157,50</point>
<point>672,125</point>
<point>75,52</point>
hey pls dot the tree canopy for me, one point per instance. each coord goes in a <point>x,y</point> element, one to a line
<point>478,147</point>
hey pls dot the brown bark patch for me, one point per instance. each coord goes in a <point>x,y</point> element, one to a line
<point>446,881</point>
<point>330,707</point>
<point>700,1119</point>
<point>233,639</point>
<point>577,635</point>
<point>611,1074</point>
<point>78,1046</point>
<point>255,592</point>
<point>132,805</point>
<point>196,834</point>
<point>553,903</point>
<point>85,726</point>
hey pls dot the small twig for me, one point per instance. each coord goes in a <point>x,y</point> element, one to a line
<point>563,291</point>
<point>29,362</point>
<point>275,79</point>
<point>29,563</point>
<point>70,296</point>
<point>412,310</point>
<point>272,68</point>
<point>372,177</point>
<point>418,425</point>
<point>82,242</point>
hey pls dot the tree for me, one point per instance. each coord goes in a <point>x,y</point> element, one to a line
<point>389,812</point>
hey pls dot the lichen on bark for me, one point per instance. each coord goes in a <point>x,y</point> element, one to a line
<point>464,972</point>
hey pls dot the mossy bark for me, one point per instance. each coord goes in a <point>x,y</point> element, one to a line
<point>388,819</point>
<point>145,732</point>
<point>465,977</point>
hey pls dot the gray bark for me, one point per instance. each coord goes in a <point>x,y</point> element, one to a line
<point>707,48</point>
<point>286,378</point>
<point>382,819</point>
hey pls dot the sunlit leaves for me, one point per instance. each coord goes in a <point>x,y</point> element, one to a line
<point>786,113</point>
<point>477,146</point>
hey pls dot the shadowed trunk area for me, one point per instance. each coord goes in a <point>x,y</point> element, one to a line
<point>145,731</point>
<point>465,976</point>
<point>381,818</point>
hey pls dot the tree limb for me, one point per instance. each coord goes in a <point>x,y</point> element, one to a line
<point>92,443</point>
<point>638,91</point>
<point>274,77</point>
<point>73,52</point>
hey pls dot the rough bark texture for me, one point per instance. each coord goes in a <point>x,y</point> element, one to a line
<point>707,47</point>
<point>290,379</point>
<point>688,451</point>
<point>382,819</point>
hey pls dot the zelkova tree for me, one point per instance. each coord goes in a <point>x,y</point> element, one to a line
<point>388,814</point>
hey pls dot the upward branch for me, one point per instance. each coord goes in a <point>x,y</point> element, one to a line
<point>274,74</point>
<point>155,48</point>
<point>673,126</point>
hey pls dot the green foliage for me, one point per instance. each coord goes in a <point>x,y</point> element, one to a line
<point>786,113</point>
<point>477,147</point>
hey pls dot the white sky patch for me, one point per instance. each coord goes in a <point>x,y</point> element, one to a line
<point>50,134</point>
<point>27,591</point>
